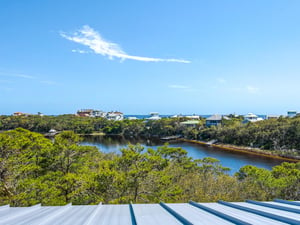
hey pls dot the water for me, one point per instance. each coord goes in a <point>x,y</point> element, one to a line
<point>233,160</point>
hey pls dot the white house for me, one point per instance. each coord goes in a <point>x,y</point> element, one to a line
<point>272,117</point>
<point>98,113</point>
<point>114,116</point>
<point>154,116</point>
<point>250,117</point>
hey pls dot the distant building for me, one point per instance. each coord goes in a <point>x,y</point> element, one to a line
<point>132,118</point>
<point>21,114</point>
<point>214,120</point>
<point>272,117</point>
<point>40,114</point>
<point>154,116</point>
<point>250,117</point>
<point>98,113</point>
<point>52,131</point>
<point>18,114</point>
<point>90,113</point>
<point>291,113</point>
<point>193,117</point>
<point>114,116</point>
<point>85,112</point>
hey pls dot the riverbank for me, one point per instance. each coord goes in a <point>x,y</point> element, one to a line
<point>245,150</point>
<point>226,147</point>
<point>93,134</point>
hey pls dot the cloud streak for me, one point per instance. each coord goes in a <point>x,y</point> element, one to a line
<point>92,39</point>
<point>25,76</point>
<point>252,89</point>
<point>176,86</point>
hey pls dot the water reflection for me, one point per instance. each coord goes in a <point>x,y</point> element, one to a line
<point>233,160</point>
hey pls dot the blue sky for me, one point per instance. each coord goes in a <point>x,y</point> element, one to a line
<point>135,56</point>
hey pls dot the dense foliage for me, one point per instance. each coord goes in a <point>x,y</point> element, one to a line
<point>282,135</point>
<point>88,125</point>
<point>34,170</point>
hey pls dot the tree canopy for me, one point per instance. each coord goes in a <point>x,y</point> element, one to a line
<point>34,170</point>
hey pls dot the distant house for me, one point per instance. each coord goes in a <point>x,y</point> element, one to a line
<point>190,123</point>
<point>18,114</point>
<point>90,113</point>
<point>214,120</point>
<point>250,117</point>
<point>21,114</point>
<point>132,118</point>
<point>272,117</point>
<point>114,116</point>
<point>193,117</point>
<point>154,116</point>
<point>52,131</point>
<point>291,113</point>
<point>98,113</point>
<point>40,114</point>
<point>85,112</point>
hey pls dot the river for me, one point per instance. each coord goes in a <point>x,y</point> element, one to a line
<point>233,160</point>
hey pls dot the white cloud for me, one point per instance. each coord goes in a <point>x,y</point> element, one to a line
<point>252,89</point>
<point>89,37</point>
<point>25,76</point>
<point>221,80</point>
<point>176,86</point>
<point>49,82</point>
<point>5,81</point>
<point>6,89</point>
<point>80,51</point>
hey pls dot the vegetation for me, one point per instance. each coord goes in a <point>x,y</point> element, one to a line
<point>34,170</point>
<point>281,136</point>
<point>87,125</point>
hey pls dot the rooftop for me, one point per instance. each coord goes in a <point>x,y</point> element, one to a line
<point>249,212</point>
<point>215,117</point>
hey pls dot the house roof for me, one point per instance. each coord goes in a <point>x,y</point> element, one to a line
<point>250,115</point>
<point>250,212</point>
<point>215,117</point>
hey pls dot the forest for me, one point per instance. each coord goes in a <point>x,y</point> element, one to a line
<point>34,169</point>
<point>281,136</point>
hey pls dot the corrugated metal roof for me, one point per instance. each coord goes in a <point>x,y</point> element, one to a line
<point>249,212</point>
<point>214,117</point>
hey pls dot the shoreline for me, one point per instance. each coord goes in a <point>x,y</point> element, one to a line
<point>244,150</point>
<point>225,147</point>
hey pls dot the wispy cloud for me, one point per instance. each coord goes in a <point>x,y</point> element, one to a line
<point>25,76</point>
<point>49,82</point>
<point>221,80</point>
<point>5,81</point>
<point>80,51</point>
<point>15,78</point>
<point>89,37</point>
<point>252,89</point>
<point>6,89</point>
<point>176,86</point>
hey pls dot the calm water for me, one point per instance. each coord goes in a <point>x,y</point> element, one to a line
<point>232,160</point>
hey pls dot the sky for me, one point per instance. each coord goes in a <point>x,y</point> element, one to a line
<point>167,56</point>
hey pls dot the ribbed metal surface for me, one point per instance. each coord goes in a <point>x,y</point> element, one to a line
<point>251,212</point>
